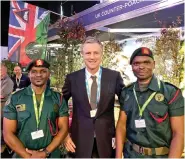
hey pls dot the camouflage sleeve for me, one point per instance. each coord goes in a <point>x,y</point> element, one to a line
<point>9,110</point>
<point>176,104</point>
<point>63,110</point>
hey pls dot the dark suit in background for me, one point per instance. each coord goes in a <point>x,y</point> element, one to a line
<point>24,82</point>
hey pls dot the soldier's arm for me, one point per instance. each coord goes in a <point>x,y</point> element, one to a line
<point>10,128</point>
<point>177,143</point>
<point>176,113</point>
<point>63,131</point>
<point>120,133</point>
<point>121,126</point>
<point>63,124</point>
<point>9,131</point>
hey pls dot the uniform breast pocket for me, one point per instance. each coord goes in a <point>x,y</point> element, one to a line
<point>23,115</point>
<point>158,113</point>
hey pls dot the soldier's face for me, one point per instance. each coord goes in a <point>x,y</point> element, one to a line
<point>143,67</point>
<point>39,76</point>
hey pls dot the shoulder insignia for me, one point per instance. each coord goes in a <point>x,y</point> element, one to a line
<point>171,85</point>
<point>55,90</point>
<point>128,85</point>
<point>176,93</point>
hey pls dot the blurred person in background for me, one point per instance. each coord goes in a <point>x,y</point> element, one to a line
<point>19,79</point>
<point>6,90</point>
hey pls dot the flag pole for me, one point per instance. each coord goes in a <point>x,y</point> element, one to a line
<point>57,14</point>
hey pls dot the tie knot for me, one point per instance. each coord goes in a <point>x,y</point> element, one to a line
<point>93,78</point>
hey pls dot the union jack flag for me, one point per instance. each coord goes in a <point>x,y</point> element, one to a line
<point>23,22</point>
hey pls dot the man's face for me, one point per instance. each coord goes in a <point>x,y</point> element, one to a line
<point>17,70</point>
<point>3,72</point>
<point>143,67</point>
<point>92,55</point>
<point>39,76</point>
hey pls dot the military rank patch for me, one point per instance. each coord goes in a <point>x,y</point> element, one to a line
<point>21,107</point>
<point>159,97</point>
<point>56,108</point>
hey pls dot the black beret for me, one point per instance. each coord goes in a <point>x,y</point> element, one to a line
<point>142,51</point>
<point>37,63</point>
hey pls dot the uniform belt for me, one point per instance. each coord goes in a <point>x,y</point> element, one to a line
<point>148,151</point>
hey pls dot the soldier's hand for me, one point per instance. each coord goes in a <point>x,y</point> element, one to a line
<point>69,144</point>
<point>36,154</point>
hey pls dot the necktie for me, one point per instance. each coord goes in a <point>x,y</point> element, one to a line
<point>93,99</point>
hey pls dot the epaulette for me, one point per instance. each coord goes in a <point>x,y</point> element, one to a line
<point>56,91</point>
<point>171,85</point>
<point>127,86</point>
<point>18,90</point>
<point>177,91</point>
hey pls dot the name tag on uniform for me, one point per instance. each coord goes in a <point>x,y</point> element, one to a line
<point>140,123</point>
<point>37,134</point>
<point>93,113</point>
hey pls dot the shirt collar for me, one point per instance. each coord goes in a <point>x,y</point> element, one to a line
<point>88,74</point>
<point>19,77</point>
<point>29,91</point>
<point>153,85</point>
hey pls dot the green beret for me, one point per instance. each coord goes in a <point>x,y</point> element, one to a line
<point>37,63</point>
<point>142,51</point>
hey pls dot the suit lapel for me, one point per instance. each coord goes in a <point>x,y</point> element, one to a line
<point>82,90</point>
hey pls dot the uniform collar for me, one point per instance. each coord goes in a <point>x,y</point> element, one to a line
<point>29,91</point>
<point>153,85</point>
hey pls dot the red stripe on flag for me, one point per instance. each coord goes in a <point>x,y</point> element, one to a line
<point>15,4</point>
<point>14,48</point>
